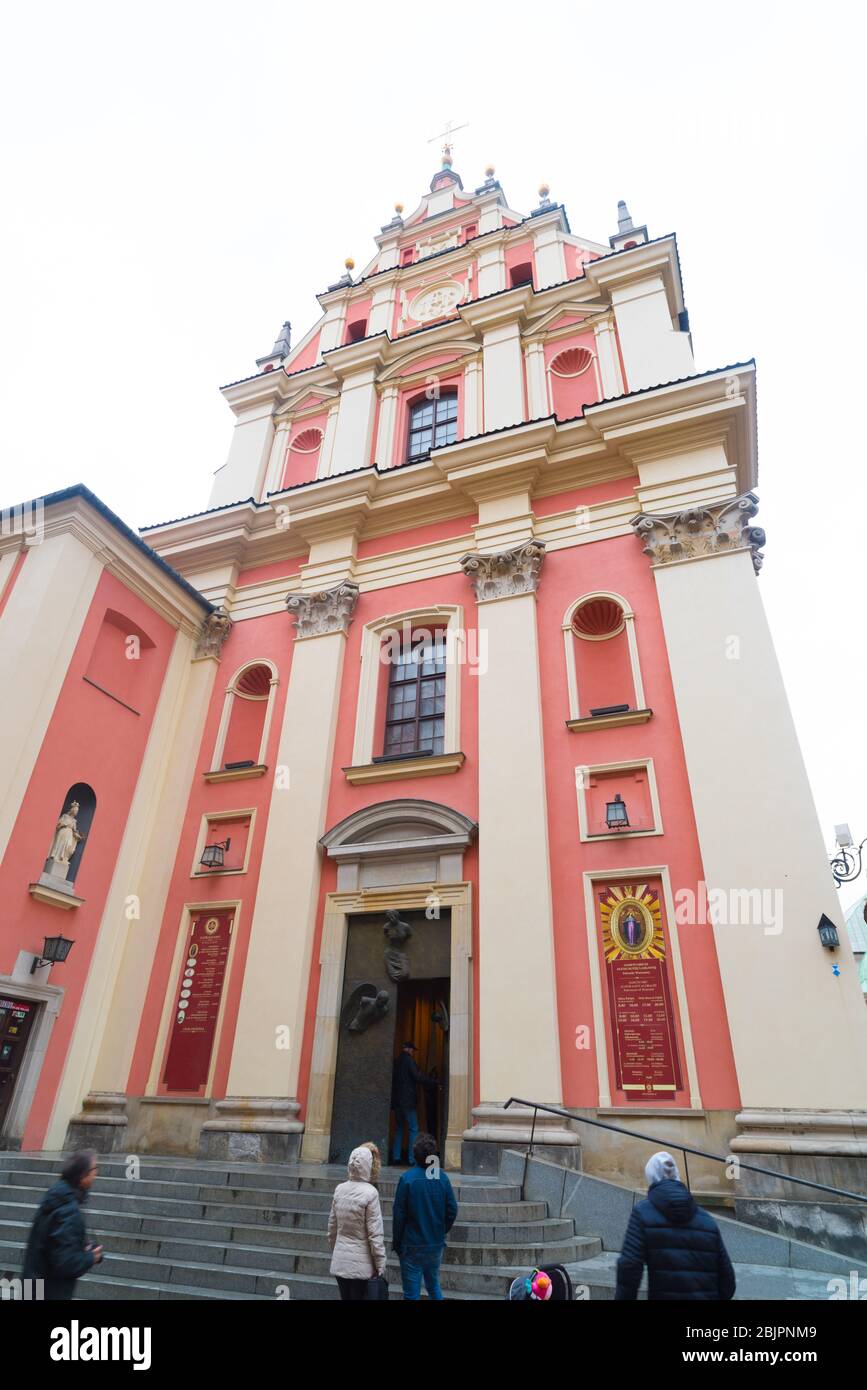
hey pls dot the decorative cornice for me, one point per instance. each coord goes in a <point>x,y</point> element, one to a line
<point>505,573</point>
<point>330,610</point>
<point>697,532</point>
<point>212,634</point>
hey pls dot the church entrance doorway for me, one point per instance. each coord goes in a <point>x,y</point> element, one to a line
<point>396,976</point>
<point>422,1017</point>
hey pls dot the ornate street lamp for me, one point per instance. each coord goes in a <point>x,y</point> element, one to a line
<point>846,864</point>
<point>55,949</point>
<point>214,856</point>
<point>616,817</point>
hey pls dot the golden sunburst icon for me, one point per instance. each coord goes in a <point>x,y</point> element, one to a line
<point>631,923</point>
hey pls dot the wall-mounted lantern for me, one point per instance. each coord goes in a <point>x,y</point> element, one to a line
<point>616,817</point>
<point>828,933</point>
<point>214,856</point>
<point>847,862</point>
<point>55,949</point>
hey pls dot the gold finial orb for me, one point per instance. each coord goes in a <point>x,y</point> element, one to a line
<point>349,263</point>
<point>544,190</point>
<point>398,207</point>
<point>489,172</point>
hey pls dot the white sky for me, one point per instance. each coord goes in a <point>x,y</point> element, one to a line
<point>179,178</point>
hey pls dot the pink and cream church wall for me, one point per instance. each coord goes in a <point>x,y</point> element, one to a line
<point>102,654</point>
<point>224,801</point>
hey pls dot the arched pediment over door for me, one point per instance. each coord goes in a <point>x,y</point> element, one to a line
<point>398,842</point>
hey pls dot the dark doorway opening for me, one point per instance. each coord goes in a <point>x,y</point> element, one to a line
<point>16,1020</point>
<point>422,1017</point>
<point>370,1034</point>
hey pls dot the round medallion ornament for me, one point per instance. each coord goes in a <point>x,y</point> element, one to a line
<point>437,302</point>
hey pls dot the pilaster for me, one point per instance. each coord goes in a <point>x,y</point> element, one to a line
<point>765,865</point>
<point>516,943</point>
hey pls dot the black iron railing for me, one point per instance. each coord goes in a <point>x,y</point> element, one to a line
<point>671,1144</point>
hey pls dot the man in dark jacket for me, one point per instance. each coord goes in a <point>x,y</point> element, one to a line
<point>424,1210</point>
<point>405,1079</point>
<point>57,1249</point>
<point>680,1244</point>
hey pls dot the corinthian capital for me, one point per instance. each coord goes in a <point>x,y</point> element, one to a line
<point>698,531</point>
<point>505,573</point>
<point>330,610</point>
<point>212,634</point>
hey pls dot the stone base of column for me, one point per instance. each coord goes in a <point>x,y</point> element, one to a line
<point>826,1146</point>
<point>494,1130</point>
<point>101,1125</point>
<point>253,1129</point>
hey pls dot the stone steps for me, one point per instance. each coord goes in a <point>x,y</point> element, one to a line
<point>197,1230</point>
<point>243,1204</point>
<point>308,1230</point>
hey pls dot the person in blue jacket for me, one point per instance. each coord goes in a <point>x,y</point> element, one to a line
<point>57,1248</point>
<point>680,1244</point>
<point>424,1211</point>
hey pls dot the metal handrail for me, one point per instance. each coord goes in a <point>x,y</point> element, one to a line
<point>672,1144</point>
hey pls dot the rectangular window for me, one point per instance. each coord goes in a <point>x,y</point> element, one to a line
<point>415,713</point>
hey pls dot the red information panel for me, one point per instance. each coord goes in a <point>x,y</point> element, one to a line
<point>646,1062</point>
<point>197,1002</point>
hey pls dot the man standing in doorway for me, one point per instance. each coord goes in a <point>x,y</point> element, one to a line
<point>405,1079</point>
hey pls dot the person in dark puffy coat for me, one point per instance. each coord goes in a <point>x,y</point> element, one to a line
<point>57,1248</point>
<point>680,1244</point>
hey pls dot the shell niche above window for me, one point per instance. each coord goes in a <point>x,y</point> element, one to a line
<point>255,682</point>
<point>306,441</point>
<point>597,619</point>
<point>572,361</point>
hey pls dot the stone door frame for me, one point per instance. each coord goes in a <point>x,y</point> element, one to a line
<point>51,998</point>
<point>339,907</point>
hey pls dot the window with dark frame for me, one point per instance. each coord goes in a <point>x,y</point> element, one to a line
<point>415,712</point>
<point>432,424</point>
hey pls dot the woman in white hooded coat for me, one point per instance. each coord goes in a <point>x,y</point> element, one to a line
<point>355,1230</point>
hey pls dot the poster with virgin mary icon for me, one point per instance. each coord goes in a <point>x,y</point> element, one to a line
<point>644,1037</point>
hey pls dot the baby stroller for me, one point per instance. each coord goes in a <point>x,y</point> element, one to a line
<point>547,1284</point>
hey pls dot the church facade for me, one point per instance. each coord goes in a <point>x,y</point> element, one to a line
<point>455,717</point>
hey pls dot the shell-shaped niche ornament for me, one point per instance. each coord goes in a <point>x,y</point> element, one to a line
<point>306,441</point>
<point>572,361</point>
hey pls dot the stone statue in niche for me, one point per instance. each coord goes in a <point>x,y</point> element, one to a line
<point>397,932</point>
<point>371,1008</point>
<point>66,840</point>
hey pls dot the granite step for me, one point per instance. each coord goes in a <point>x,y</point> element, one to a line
<point>308,1231</point>
<point>206,1176</point>
<point>139,1276</point>
<point>204,1188</point>
<point>307,1253</point>
<point>252,1211</point>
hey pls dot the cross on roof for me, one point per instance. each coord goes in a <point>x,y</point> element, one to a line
<point>449,131</point>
